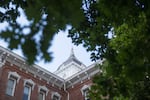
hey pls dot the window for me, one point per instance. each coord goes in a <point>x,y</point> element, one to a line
<point>85,92</point>
<point>56,96</point>
<point>11,86</point>
<point>26,93</point>
<point>43,91</point>
<point>28,86</point>
<point>13,79</point>
<point>42,95</point>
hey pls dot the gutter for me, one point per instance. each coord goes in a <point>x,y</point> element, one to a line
<point>68,95</point>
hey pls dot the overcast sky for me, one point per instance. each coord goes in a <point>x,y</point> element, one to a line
<point>61,48</point>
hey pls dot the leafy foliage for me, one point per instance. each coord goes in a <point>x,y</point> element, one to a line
<point>45,19</point>
<point>126,52</point>
<point>117,31</point>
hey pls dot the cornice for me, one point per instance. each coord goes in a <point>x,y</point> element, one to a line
<point>86,73</point>
<point>36,70</point>
<point>44,74</point>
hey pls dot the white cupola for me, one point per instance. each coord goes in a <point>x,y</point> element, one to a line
<point>70,67</point>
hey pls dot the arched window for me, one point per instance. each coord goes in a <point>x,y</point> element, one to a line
<point>56,96</point>
<point>43,91</point>
<point>28,86</point>
<point>13,79</point>
<point>85,92</point>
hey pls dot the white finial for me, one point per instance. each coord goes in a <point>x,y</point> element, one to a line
<point>72,52</point>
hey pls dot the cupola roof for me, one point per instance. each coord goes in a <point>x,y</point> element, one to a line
<point>72,64</point>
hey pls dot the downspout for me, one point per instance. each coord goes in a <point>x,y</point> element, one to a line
<point>2,62</point>
<point>68,96</point>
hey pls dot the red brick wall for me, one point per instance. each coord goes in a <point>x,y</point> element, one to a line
<point>3,81</point>
<point>75,91</point>
<point>20,85</point>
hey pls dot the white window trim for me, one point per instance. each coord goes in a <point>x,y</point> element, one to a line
<point>14,86</point>
<point>85,87</point>
<point>30,82</point>
<point>29,90</point>
<point>44,95</point>
<point>44,88</point>
<point>55,94</point>
<point>14,74</point>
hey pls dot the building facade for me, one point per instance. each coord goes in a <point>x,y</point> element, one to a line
<point>20,81</point>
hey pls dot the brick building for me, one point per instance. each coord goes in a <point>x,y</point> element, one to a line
<point>20,81</point>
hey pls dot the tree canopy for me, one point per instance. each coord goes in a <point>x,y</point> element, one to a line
<point>45,18</point>
<point>117,31</point>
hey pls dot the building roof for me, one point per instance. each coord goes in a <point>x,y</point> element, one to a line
<point>70,67</point>
<point>51,78</point>
<point>72,58</point>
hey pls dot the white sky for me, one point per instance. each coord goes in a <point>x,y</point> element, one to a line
<point>61,48</point>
